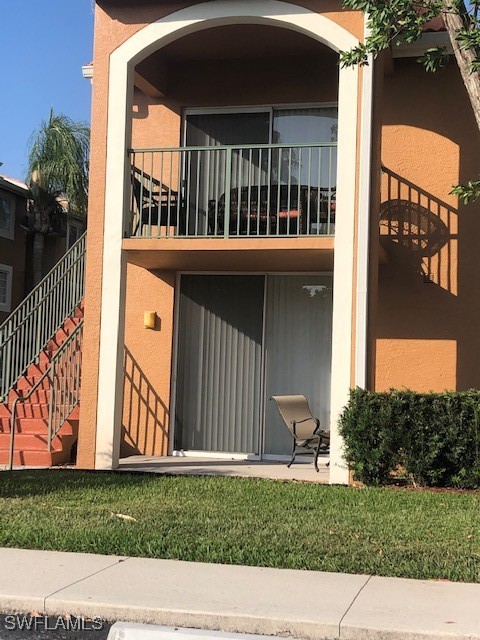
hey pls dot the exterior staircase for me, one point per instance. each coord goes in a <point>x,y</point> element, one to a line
<point>40,367</point>
<point>32,415</point>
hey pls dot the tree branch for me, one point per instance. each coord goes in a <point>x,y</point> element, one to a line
<point>465,58</point>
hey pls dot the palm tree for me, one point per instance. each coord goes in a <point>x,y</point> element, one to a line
<point>58,167</point>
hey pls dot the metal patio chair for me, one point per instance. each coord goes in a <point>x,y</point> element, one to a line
<point>305,429</point>
<point>156,207</point>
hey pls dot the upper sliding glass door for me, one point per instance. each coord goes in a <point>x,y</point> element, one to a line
<point>312,125</point>
<point>206,170</point>
<point>217,129</point>
<point>289,126</point>
<point>315,167</point>
<point>277,189</point>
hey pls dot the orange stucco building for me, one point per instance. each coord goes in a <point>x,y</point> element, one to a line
<point>263,221</point>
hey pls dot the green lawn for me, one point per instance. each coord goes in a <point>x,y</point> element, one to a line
<point>416,534</point>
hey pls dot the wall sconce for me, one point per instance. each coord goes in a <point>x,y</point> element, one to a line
<point>149,319</point>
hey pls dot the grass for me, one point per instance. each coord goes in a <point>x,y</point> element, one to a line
<point>414,534</point>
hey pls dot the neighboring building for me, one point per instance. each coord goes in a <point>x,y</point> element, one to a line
<point>13,242</point>
<point>66,230</point>
<point>16,278</point>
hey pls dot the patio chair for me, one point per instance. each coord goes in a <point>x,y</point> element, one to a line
<point>305,429</point>
<point>159,207</point>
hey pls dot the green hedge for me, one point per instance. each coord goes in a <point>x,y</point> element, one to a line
<point>433,439</point>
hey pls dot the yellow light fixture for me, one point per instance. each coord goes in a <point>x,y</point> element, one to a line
<point>149,319</point>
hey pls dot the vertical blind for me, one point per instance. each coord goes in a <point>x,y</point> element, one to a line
<point>219,364</point>
<point>298,350</point>
<point>221,388</point>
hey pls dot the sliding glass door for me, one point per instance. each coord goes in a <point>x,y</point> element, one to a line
<point>206,170</point>
<point>293,125</point>
<point>242,339</point>
<point>251,176</point>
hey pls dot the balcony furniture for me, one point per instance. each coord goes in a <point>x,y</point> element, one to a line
<point>284,210</point>
<point>305,429</point>
<point>157,208</point>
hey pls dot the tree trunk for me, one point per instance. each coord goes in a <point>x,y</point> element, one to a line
<point>37,256</point>
<point>454,22</point>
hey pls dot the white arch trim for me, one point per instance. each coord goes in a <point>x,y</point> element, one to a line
<point>226,12</point>
<point>122,61</point>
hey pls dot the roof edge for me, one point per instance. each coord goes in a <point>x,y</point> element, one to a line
<point>428,40</point>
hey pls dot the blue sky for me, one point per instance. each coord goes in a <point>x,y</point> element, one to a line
<point>43,45</point>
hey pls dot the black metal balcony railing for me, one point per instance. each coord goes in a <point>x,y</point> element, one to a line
<point>233,191</point>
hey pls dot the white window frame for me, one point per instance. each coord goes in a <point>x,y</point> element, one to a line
<point>9,233</point>
<point>263,108</point>
<point>78,225</point>
<point>8,269</point>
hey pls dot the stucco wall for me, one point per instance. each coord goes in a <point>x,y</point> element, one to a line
<point>114,23</point>
<point>429,292</point>
<point>148,352</point>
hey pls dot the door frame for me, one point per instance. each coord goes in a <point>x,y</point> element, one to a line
<point>174,363</point>
<point>261,108</point>
<point>206,111</point>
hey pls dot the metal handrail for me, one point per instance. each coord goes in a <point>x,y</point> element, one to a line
<point>281,189</point>
<point>68,391</point>
<point>29,328</point>
<point>226,147</point>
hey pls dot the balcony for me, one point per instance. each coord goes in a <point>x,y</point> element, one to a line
<point>276,191</point>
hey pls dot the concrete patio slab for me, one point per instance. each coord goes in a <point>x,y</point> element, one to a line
<point>302,471</point>
<point>28,577</point>
<point>305,604</point>
<point>396,608</point>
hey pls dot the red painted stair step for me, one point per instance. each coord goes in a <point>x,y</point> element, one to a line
<point>31,424</point>
<point>35,426</point>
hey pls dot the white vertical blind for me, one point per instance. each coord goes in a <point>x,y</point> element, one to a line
<point>219,374</point>
<point>298,350</point>
<point>309,126</point>
<point>219,364</point>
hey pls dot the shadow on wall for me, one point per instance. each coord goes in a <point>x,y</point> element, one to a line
<point>429,304</point>
<point>419,230</point>
<point>145,415</point>
<point>429,291</point>
<point>417,331</point>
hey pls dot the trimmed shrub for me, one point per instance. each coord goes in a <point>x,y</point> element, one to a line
<point>431,438</point>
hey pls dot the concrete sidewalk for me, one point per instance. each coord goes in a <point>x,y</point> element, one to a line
<point>304,604</point>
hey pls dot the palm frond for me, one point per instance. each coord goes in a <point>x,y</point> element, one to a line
<point>58,160</point>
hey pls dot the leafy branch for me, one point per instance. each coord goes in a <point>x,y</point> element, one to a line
<point>391,23</point>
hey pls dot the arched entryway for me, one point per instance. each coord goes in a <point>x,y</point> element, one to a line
<point>123,60</point>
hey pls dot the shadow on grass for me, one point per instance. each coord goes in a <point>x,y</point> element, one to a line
<point>31,483</point>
